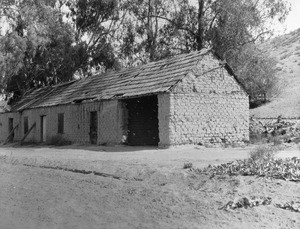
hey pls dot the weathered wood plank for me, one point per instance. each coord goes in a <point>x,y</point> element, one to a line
<point>10,133</point>
<point>28,132</point>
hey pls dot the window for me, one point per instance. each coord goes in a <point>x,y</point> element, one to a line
<point>61,123</point>
<point>25,125</point>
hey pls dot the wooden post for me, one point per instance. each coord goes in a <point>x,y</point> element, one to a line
<point>22,140</point>
<point>10,133</point>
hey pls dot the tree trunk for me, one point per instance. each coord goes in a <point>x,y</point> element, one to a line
<point>150,33</point>
<point>200,31</point>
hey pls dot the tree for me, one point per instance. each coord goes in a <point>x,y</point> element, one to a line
<point>228,27</point>
<point>46,42</point>
<point>224,24</point>
<point>144,36</point>
<point>256,70</point>
<point>95,23</point>
<point>33,47</point>
<point>238,27</point>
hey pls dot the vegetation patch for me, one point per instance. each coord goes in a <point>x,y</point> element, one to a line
<point>262,163</point>
<point>245,202</point>
<point>292,206</point>
<point>276,131</point>
<point>59,140</point>
<point>187,165</point>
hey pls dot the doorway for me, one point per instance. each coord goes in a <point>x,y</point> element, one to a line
<point>10,129</point>
<point>142,121</point>
<point>93,127</point>
<point>43,128</point>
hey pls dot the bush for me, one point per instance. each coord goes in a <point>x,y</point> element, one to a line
<point>59,140</point>
<point>188,165</point>
<point>262,153</point>
<point>256,138</point>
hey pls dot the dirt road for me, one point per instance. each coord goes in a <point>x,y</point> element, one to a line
<point>134,188</point>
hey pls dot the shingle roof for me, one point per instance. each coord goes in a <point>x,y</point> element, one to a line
<point>3,106</point>
<point>152,78</point>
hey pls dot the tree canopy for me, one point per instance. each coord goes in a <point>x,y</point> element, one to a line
<point>47,42</point>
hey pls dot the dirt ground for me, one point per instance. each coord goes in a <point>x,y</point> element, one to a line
<point>134,187</point>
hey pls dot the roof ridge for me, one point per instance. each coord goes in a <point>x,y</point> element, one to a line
<point>129,69</point>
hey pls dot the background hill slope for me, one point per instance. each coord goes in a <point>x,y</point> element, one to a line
<point>286,49</point>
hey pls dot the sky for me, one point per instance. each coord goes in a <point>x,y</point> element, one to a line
<point>293,20</point>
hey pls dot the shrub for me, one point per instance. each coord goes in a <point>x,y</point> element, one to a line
<point>59,140</point>
<point>262,153</point>
<point>256,138</point>
<point>261,162</point>
<point>188,165</point>
<point>276,140</point>
<point>286,169</point>
<point>296,140</point>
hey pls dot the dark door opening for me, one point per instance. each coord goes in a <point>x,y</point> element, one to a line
<point>10,128</point>
<point>43,128</point>
<point>142,121</point>
<point>93,127</point>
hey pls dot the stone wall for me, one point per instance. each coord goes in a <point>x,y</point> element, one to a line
<point>76,122</point>
<point>208,106</point>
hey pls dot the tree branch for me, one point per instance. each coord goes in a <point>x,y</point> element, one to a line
<point>254,39</point>
<point>173,23</point>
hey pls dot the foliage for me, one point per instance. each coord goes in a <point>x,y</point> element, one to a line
<point>256,71</point>
<point>230,27</point>
<point>32,45</point>
<point>292,206</point>
<point>276,131</point>
<point>59,140</point>
<point>262,153</point>
<point>188,165</point>
<point>94,23</point>
<point>46,42</point>
<point>144,30</point>
<point>261,163</point>
<point>245,202</point>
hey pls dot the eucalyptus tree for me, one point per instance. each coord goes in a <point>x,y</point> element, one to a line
<point>47,42</point>
<point>231,27</point>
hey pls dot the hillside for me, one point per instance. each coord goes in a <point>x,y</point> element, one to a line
<point>286,49</point>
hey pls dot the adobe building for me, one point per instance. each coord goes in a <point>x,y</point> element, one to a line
<point>187,99</point>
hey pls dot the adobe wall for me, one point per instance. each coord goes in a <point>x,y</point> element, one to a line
<point>76,122</point>
<point>208,106</point>
<point>4,125</point>
<point>164,119</point>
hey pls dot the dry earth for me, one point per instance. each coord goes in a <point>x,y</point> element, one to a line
<point>150,189</point>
